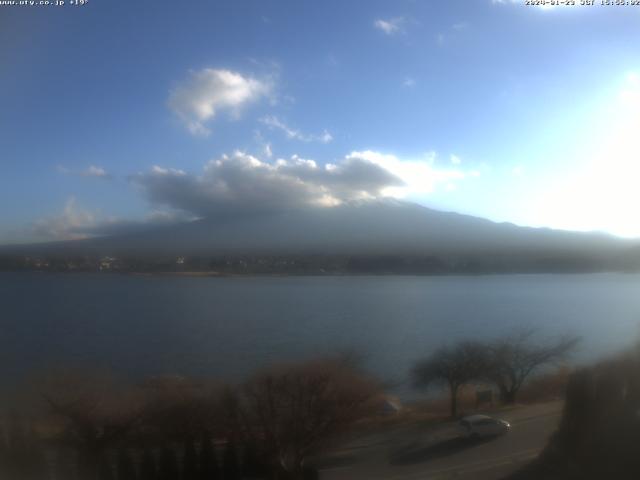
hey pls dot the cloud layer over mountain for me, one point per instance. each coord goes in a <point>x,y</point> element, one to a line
<point>241,183</point>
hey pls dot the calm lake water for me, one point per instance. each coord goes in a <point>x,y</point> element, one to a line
<point>228,327</point>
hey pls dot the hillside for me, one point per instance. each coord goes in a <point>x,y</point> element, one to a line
<point>408,237</point>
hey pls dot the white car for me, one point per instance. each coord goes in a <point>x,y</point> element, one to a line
<point>482,426</point>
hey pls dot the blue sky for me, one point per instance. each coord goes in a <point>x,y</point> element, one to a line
<point>121,112</point>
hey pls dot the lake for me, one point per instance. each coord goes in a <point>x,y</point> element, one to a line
<point>229,327</point>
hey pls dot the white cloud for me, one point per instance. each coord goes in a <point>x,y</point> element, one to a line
<point>267,150</point>
<point>76,223</point>
<point>197,100</point>
<point>90,171</point>
<point>65,225</point>
<point>409,82</point>
<point>456,29</point>
<point>390,26</point>
<point>419,176</point>
<point>241,183</point>
<point>455,160</point>
<point>264,146</point>
<point>167,171</point>
<point>326,137</point>
<point>94,171</point>
<point>274,122</point>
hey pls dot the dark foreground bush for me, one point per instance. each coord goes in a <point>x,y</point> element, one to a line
<point>599,433</point>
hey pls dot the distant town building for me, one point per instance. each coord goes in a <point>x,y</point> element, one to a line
<point>106,263</point>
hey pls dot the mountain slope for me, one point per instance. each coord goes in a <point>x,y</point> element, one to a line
<point>369,229</point>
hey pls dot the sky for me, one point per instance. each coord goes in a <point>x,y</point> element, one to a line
<point>119,115</point>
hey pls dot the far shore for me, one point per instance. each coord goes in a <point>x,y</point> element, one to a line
<point>218,274</point>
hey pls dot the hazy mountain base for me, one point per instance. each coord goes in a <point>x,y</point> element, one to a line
<point>324,265</point>
<point>369,238</point>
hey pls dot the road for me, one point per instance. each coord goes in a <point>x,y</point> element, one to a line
<point>412,453</point>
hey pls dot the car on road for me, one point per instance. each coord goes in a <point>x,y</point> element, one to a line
<point>482,426</point>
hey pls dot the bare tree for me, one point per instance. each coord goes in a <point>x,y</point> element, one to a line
<point>513,358</point>
<point>452,366</point>
<point>95,413</point>
<point>21,451</point>
<point>293,410</point>
<point>178,408</point>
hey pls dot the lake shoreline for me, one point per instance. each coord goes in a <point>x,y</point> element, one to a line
<point>217,274</point>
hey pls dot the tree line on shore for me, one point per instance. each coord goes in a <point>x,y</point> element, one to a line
<point>89,426</point>
<point>94,427</point>
<point>506,363</point>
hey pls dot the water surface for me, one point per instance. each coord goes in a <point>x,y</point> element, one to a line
<point>228,327</point>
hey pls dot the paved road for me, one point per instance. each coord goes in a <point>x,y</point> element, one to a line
<point>437,454</point>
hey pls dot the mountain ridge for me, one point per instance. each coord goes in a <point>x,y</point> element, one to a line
<point>372,229</point>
